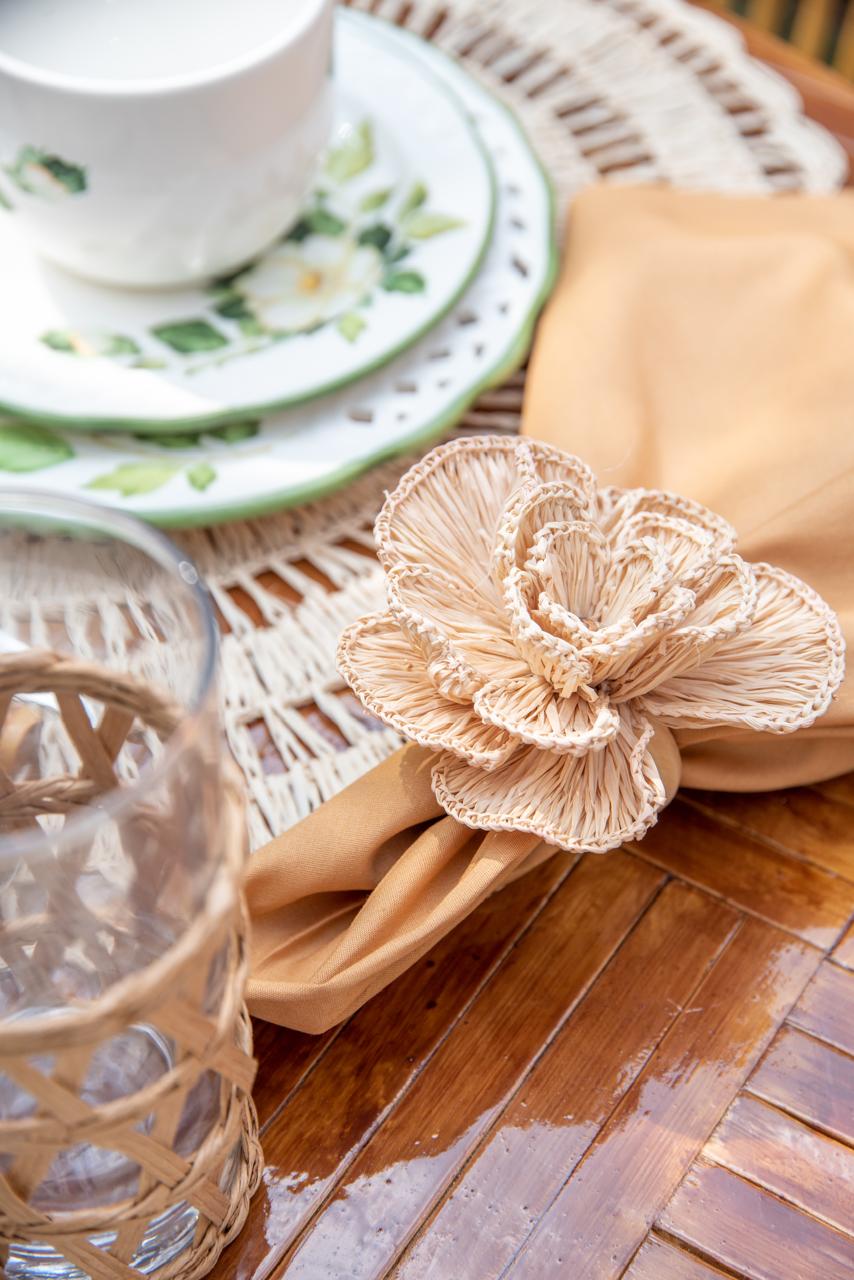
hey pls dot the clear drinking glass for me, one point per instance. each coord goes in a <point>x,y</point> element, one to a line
<point>119,878</point>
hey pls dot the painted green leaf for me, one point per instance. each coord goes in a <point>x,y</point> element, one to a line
<point>231,305</point>
<point>374,200</point>
<point>421,224</point>
<point>353,155</point>
<point>26,447</point>
<point>299,230</point>
<point>188,336</point>
<point>59,340</point>
<point>378,235</point>
<point>405,282</point>
<point>350,325</point>
<point>72,176</point>
<point>414,200</point>
<point>117,344</point>
<point>174,440</point>
<point>5,202</point>
<point>233,432</point>
<point>132,478</point>
<point>201,476</point>
<point>148,362</point>
<point>90,344</point>
<point>321,222</point>
<point>31,164</point>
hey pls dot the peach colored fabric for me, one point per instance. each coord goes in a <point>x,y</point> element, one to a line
<point>357,892</point>
<point>694,343</point>
<point>703,344</point>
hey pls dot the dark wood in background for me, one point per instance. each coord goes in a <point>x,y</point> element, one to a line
<point>640,1065</point>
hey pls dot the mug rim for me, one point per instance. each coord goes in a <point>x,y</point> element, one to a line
<point>210,77</point>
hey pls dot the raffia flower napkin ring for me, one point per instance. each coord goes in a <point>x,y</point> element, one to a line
<point>546,635</point>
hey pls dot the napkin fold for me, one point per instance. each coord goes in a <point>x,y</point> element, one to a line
<point>700,344</point>
<point>703,344</point>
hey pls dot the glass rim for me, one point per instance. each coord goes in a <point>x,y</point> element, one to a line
<point>163,551</point>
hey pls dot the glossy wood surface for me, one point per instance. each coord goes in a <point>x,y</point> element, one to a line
<point>640,1065</point>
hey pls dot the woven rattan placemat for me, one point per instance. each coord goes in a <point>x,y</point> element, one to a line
<point>598,85</point>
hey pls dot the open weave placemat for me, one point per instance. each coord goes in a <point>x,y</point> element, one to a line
<point>620,90</point>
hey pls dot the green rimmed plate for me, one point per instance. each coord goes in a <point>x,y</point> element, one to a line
<point>393,232</point>
<point>255,466</point>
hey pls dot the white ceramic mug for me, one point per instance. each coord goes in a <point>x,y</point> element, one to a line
<point>164,180</point>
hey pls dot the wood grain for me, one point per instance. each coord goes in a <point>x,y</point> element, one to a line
<point>751,875</point>
<point>659,1259</point>
<point>810,1080</point>
<point>601,1216</point>
<point>319,1130</point>
<point>802,822</point>
<point>412,1158</point>
<point>844,952</point>
<point>827,1007</point>
<point>816,1173</point>
<point>574,1088</point>
<point>759,1236</point>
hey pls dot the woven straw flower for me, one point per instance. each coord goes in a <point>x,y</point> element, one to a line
<point>538,628</point>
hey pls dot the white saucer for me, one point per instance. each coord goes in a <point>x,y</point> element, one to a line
<point>392,235</point>
<point>300,454</point>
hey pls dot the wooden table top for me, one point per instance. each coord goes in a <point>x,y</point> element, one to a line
<point>640,1065</point>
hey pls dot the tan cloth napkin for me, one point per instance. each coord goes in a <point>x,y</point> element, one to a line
<point>705,344</point>
<point>696,343</point>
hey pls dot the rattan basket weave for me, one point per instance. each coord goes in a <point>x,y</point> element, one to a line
<point>219,1177</point>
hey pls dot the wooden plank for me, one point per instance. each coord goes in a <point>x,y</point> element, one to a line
<point>659,1259</point>
<point>418,1150</point>
<point>844,952</point>
<point>840,790</point>
<point>370,1062</point>
<point>601,1216</point>
<point>785,1156</point>
<point>826,1009</point>
<point>753,1232</point>
<point>285,1057</point>
<point>802,821</point>
<point>575,1086</point>
<point>790,894</point>
<point>811,1080</point>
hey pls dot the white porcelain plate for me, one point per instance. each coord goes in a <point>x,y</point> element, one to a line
<point>249,467</point>
<point>392,233</point>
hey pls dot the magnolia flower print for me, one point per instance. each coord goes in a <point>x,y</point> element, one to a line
<point>539,629</point>
<point>299,285</point>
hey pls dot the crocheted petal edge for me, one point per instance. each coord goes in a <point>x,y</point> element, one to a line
<point>464,641</point>
<point>389,676</point>
<point>583,804</point>
<point>438,516</point>
<point>529,709</point>
<point>778,676</point>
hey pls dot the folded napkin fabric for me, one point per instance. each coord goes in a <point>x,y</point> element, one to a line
<point>680,353</point>
<point>703,344</point>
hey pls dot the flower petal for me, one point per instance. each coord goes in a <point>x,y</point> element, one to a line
<point>546,654</point>
<point>388,674</point>
<point>446,510</point>
<point>531,710</point>
<point>777,676</point>
<point>569,562</point>
<point>616,506</point>
<point>588,803</point>
<point>543,463</point>
<point>725,606</point>
<point>465,640</point>
<point>525,514</point>
<point>689,550</point>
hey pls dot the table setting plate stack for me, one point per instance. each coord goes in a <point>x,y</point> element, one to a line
<point>409,282</point>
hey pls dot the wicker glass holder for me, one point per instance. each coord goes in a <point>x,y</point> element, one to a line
<point>190,998</point>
